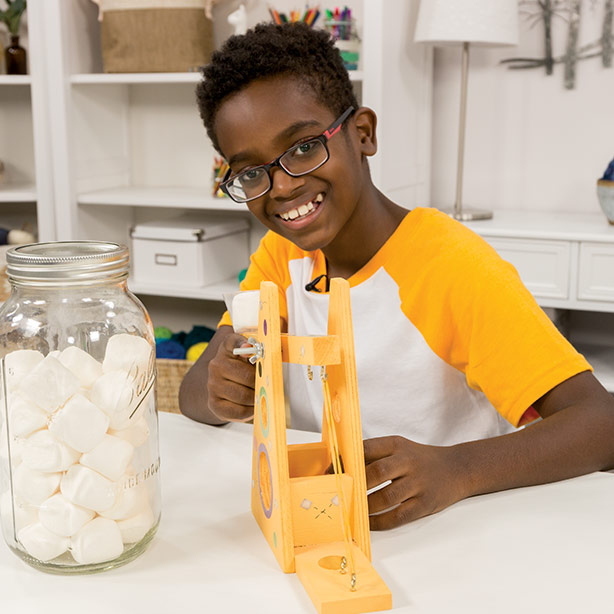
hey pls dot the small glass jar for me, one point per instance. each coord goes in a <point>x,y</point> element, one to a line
<point>79,459</point>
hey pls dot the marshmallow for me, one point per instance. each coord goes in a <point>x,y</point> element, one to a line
<point>110,457</point>
<point>34,486</point>
<point>128,353</point>
<point>16,446</point>
<point>80,424</point>
<point>83,486</point>
<point>244,312</point>
<point>137,433</point>
<point>114,393</point>
<point>41,543</point>
<point>50,384</point>
<point>81,364</point>
<point>25,417</point>
<point>99,540</point>
<point>18,364</point>
<point>133,529</point>
<point>23,513</point>
<point>43,452</point>
<point>63,517</point>
<point>55,353</point>
<point>128,502</point>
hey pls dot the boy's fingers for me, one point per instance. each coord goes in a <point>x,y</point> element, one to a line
<point>397,492</point>
<point>226,410</point>
<point>384,469</point>
<point>380,447</point>
<point>406,512</point>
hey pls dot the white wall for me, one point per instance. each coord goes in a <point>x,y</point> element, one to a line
<point>530,143</point>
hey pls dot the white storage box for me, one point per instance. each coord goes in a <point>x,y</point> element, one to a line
<point>187,252</point>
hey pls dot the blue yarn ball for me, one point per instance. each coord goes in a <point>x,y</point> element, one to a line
<point>170,349</point>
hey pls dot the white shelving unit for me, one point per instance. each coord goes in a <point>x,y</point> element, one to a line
<point>129,148</point>
<point>132,196</point>
<point>26,192</point>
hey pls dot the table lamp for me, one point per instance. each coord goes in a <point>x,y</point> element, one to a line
<point>487,23</point>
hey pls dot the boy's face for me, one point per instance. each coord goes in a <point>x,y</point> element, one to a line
<point>259,123</point>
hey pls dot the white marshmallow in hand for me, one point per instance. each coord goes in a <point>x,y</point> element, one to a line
<point>98,541</point>
<point>136,433</point>
<point>25,417</point>
<point>110,457</point>
<point>87,488</point>
<point>245,311</point>
<point>63,517</point>
<point>80,424</point>
<point>43,452</point>
<point>114,393</point>
<point>128,353</point>
<point>41,543</point>
<point>133,529</point>
<point>84,366</point>
<point>49,385</point>
<point>18,364</point>
<point>34,486</point>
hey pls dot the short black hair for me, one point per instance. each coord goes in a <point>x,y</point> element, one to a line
<point>269,50</point>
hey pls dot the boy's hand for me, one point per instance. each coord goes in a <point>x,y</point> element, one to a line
<point>423,480</point>
<point>231,382</point>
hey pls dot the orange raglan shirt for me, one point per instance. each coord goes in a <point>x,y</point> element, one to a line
<point>450,345</point>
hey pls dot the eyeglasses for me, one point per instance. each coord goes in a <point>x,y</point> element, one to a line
<point>299,160</point>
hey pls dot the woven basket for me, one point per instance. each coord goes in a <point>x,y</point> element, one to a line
<point>154,35</point>
<point>170,376</point>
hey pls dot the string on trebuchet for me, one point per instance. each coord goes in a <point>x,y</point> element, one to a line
<point>336,462</point>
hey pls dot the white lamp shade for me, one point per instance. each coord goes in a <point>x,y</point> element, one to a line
<point>480,22</point>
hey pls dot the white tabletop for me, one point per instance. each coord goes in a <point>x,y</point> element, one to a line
<point>543,549</point>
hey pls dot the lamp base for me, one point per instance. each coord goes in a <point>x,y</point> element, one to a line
<point>468,214</point>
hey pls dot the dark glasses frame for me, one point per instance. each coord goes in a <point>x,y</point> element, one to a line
<point>323,138</point>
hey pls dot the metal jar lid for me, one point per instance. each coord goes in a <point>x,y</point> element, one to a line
<point>67,263</point>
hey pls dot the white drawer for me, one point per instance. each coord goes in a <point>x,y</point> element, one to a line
<point>543,266</point>
<point>596,272</point>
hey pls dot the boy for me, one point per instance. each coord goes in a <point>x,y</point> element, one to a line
<point>451,349</point>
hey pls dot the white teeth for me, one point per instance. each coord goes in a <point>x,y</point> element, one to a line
<point>302,210</point>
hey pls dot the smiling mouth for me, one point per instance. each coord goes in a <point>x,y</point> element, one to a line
<point>303,210</point>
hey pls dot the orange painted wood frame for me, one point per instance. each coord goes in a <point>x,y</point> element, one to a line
<point>294,500</point>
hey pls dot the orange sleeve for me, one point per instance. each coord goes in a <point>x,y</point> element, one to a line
<point>475,313</point>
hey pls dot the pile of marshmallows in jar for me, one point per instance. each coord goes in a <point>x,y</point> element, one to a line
<point>73,434</point>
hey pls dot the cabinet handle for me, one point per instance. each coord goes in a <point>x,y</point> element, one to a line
<point>166,259</point>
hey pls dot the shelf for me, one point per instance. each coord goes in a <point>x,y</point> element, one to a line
<point>184,198</point>
<point>135,78</point>
<point>17,193</point>
<point>153,77</point>
<point>15,80</point>
<point>544,225</point>
<point>208,293</point>
<point>601,358</point>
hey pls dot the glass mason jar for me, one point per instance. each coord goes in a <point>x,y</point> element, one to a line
<point>79,460</point>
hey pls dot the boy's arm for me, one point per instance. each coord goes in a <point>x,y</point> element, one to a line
<point>220,386</point>
<point>575,437</point>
